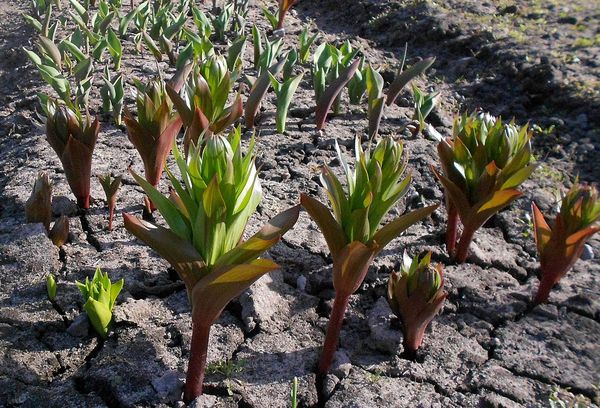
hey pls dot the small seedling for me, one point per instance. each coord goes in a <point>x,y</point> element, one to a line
<point>424,104</point>
<point>110,186</point>
<point>294,393</point>
<point>416,294</point>
<point>38,207</point>
<point>304,43</point>
<point>51,287</point>
<point>285,92</point>
<point>99,295</point>
<point>374,85</point>
<point>59,234</point>
<point>561,245</point>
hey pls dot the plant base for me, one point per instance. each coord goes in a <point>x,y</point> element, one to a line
<point>340,304</point>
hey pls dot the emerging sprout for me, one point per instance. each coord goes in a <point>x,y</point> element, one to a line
<point>416,295</point>
<point>38,207</point>
<point>559,247</point>
<point>59,234</point>
<point>374,85</point>
<point>482,166</point>
<point>207,216</point>
<point>258,91</point>
<point>332,92</point>
<point>111,187</point>
<point>51,287</point>
<point>113,94</point>
<point>304,43</point>
<point>352,233</point>
<point>285,92</point>
<point>155,128</point>
<point>100,295</point>
<point>73,138</point>
<point>424,104</point>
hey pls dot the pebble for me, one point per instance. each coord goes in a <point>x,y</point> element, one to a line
<point>80,326</point>
<point>169,385</point>
<point>587,253</point>
<point>301,283</point>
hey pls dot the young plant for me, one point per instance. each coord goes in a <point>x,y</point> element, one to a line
<point>51,287</point>
<point>114,48</point>
<point>357,86</point>
<point>374,83</point>
<point>265,56</point>
<point>110,186</point>
<point>113,95</point>
<point>258,91</point>
<point>154,130</point>
<point>352,233</point>
<point>284,6</point>
<point>271,17</point>
<point>202,102</point>
<point>207,216</point>
<point>483,164</point>
<point>59,234</point>
<point>222,22</point>
<point>416,295</point>
<point>73,137</point>
<point>38,207</point>
<point>99,295</point>
<point>404,77</point>
<point>561,245</point>
<point>285,92</point>
<point>294,393</point>
<point>304,43</point>
<point>424,104</point>
<point>331,94</point>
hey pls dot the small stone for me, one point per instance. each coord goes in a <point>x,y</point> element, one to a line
<point>62,205</point>
<point>341,364</point>
<point>279,33</point>
<point>301,283</point>
<point>170,385</point>
<point>587,253</point>
<point>80,326</point>
<point>204,401</point>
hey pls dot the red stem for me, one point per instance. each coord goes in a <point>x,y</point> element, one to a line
<point>544,289</point>
<point>84,202</point>
<point>333,332</point>
<point>451,229</point>
<point>111,214</point>
<point>462,250</point>
<point>197,363</point>
<point>413,337</point>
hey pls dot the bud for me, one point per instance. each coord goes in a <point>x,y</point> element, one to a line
<point>59,234</point>
<point>38,207</point>
<point>416,295</point>
<point>51,287</point>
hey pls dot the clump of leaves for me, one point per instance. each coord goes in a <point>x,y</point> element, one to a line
<point>202,102</point>
<point>59,234</point>
<point>405,76</point>
<point>113,94</point>
<point>424,104</point>
<point>73,137</point>
<point>265,53</point>
<point>331,93</point>
<point>285,92</point>
<point>305,41</point>
<point>561,245</point>
<point>155,128</point>
<point>38,207</point>
<point>99,295</point>
<point>416,294</point>
<point>482,165</point>
<point>258,91</point>
<point>352,232</point>
<point>207,215</point>
<point>110,186</point>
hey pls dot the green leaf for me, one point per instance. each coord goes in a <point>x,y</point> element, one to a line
<point>100,316</point>
<point>400,224</point>
<point>405,77</point>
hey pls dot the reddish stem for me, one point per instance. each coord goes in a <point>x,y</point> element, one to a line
<point>197,362</point>
<point>84,202</point>
<point>462,250</point>
<point>413,338</point>
<point>333,332</point>
<point>111,214</point>
<point>544,289</point>
<point>451,229</point>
